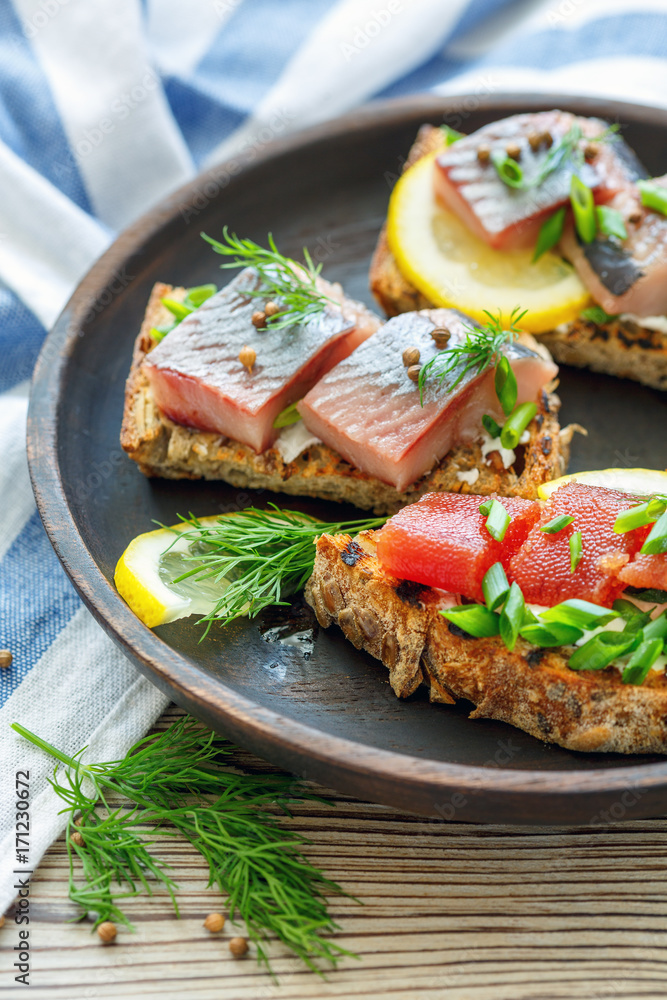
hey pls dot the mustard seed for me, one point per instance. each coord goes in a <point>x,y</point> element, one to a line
<point>271,309</point>
<point>238,947</point>
<point>535,141</point>
<point>484,153</point>
<point>413,372</point>
<point>214,922</point>
<point>247,357</point>
<point>77,839</point>
<point>441,336</point>
<point>411,356</point>
<point>258,319</point>
<point>513,150</point>
<point>107,932</point>
<point>5,658</point>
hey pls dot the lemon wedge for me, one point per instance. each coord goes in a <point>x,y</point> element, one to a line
<point>642,482</point>
<point>452,267</point>
<point>146,570</point>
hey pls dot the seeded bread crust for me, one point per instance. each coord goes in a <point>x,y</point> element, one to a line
<point>531,688</point>
<point>166,449</point>
<point>624,349</point>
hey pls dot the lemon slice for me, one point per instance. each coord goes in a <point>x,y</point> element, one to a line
<point>642,482</point>
<point>145,573</point>
<point>452,267</point>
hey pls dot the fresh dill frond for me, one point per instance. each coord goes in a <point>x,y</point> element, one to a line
<point>479,350</point>
<point>292,284</point>
<point>177,787</point>
<point>259,557</point>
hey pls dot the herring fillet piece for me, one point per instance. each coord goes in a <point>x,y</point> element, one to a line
<point>510,218</point>
<point>198,380</point>
<point>368,409</point>
<point>628,276</point>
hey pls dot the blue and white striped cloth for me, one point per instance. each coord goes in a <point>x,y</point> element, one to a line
<point>108,105</point>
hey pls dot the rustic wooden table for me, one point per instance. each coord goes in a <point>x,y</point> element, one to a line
<point>450,910</point>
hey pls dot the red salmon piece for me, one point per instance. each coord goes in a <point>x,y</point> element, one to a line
<point>542,566</point>
<point>442,541</point>
<point>199,381</point>
<point>510,218</point>
<point>646,571</point>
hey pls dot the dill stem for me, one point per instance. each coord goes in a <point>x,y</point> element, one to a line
<point>49,748</point>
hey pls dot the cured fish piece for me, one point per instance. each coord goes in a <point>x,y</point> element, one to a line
<point>509,218</point>
<point>368,409</point>
<point>542,566</point>
<point>625,276</point>
<point>199,381</point>
<point>442,541</point>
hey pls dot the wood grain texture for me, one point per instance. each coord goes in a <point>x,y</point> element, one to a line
<point>451,911</point>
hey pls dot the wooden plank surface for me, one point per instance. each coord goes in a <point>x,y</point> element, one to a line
<point>450,911</point>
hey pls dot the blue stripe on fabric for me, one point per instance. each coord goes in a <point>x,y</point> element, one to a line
<point>21,336</point>
<point>29,122</point>
<point>626,35</point>
<point>36,602</point>
<point>244,61</point>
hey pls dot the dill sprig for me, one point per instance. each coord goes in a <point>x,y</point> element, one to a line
<point>258,556</point>
<point>177,787</point>
<point>479,350</point>
<point>293,284</point>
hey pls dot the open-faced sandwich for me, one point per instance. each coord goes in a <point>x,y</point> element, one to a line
<point>281,382</point>
<point>550,210</point>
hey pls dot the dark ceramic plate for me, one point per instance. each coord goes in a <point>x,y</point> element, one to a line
<point>318,707</point>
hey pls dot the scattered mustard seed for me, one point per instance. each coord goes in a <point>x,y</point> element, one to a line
<point>441,336</point>
<point>5,658</point>
<point>77,839</point>
<point>214,922</point>
<point>535,141</point>
<point>2,921</point>
<point>484,153</point>
<point>411,356</point>
<point>247,357</point>
<point>238,947</point>
<point>107,932</point>
<point>513,150</point>
<point>547,139</point>
<point>271,309</point>
<point>413,372</point>
<point>590,151</point>
<point>258,320</point>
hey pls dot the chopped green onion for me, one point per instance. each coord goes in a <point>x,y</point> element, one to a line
<point>475,619</point>
<point>507,169</point>
<point>550,233</point>
<point>451,135</point>
<point>653,195</point>
<point>642,660</point>
<point>637,517</point>
<point>554,634</point>
<point>656,543</point>
<point>178,309</point>
<point>290,415</point>
<point>490,426</point>
<point>497,519</point>
<point>516,424</point>
<point>610,222</point>
<point>506,386</point>
<point>600,651</point>
<point>628,610</point>
<point>495,587</point>
<point>649,595</point>
<point>198,295</point>
<point>583,207</point>
<point>485,507</point>
<point>580,614</point>
<point>657,628</point>
<point>557,524</point>
<point>158,333</point>
<point>596,314</point>
<point>512,616</point>
<point>576,550</point>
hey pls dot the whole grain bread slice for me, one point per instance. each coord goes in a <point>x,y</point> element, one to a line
<point>529,687</point>
<point>620,347</point>
<point>166,449</point>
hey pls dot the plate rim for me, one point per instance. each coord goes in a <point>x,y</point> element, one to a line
<point>267,732</point>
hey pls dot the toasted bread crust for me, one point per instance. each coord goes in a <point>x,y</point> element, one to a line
<point>624,349</point>
<point>530,688</point>
<point>162,448</point>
